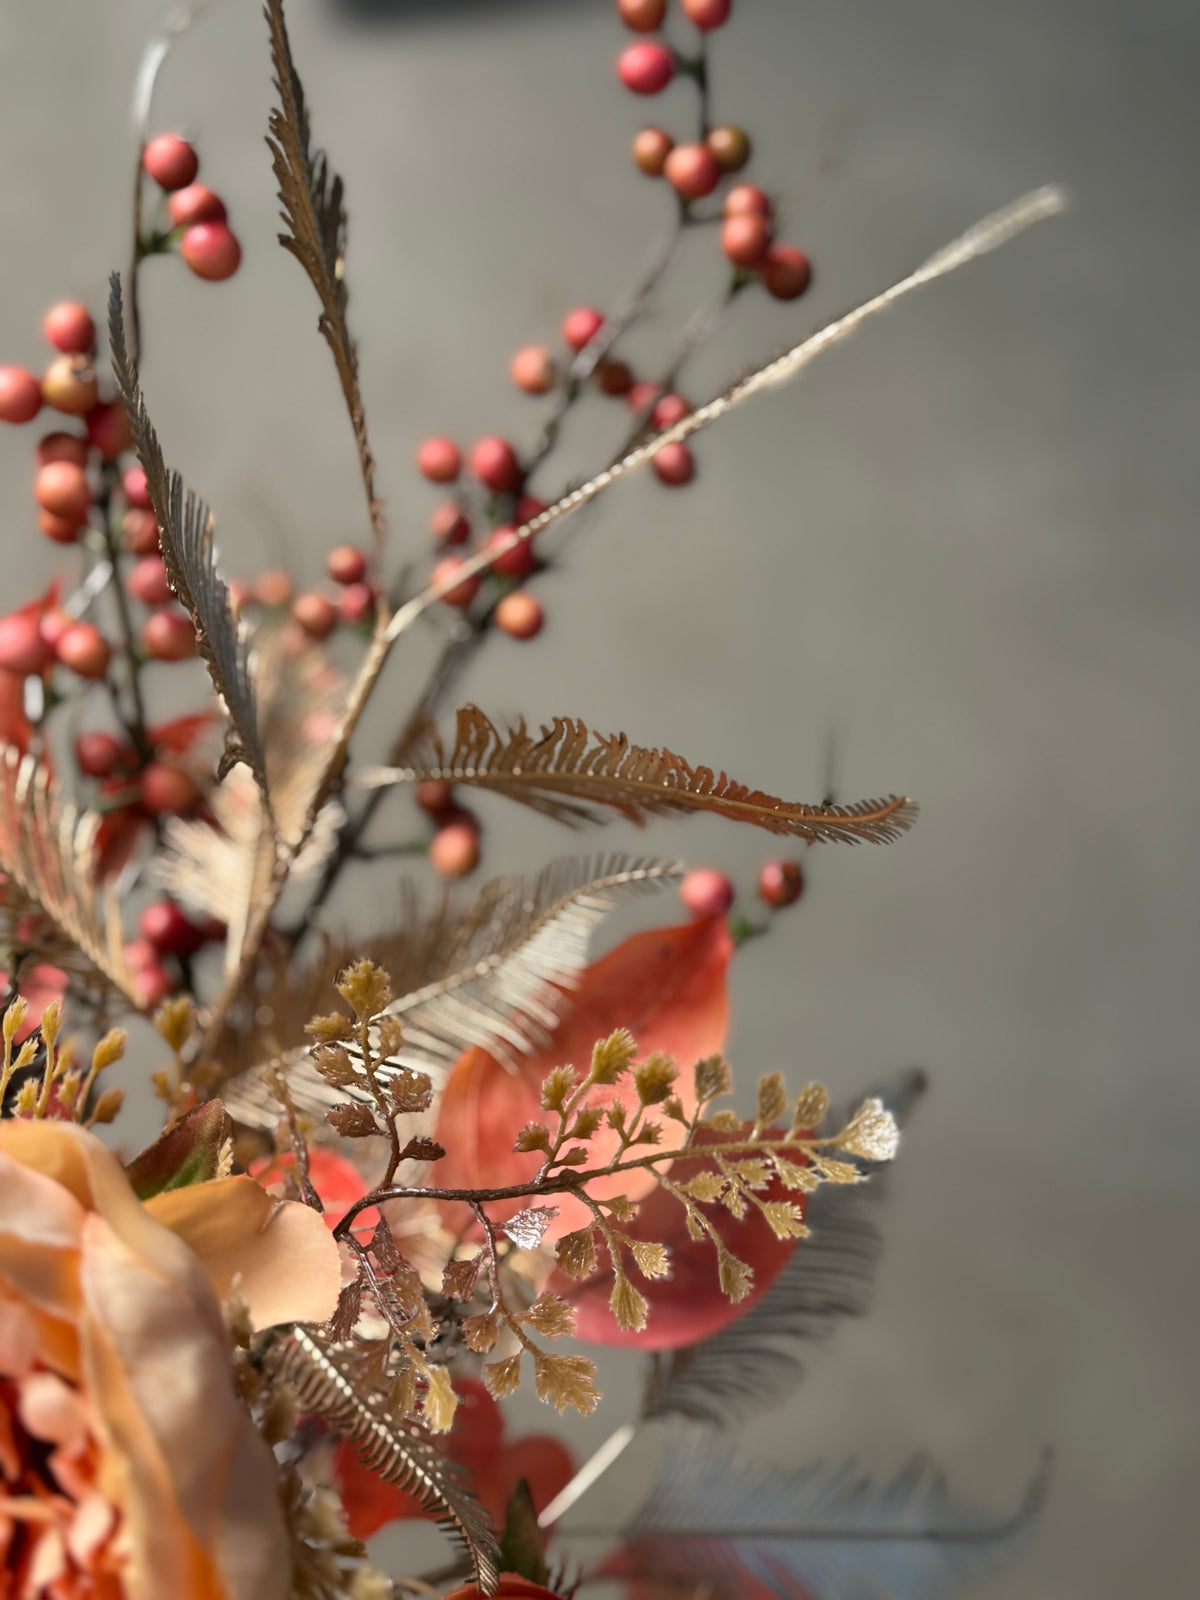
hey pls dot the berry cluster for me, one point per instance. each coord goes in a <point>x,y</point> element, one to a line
<point>696,169</point>
<point>709,893</point>
<point>199,228</point>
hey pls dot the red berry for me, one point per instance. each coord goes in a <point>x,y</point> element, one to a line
<point>435,797</point>
<point>518,562</point>
<point>580,327</point>
<point>449,524</point>
<point>22,648</point>
<point>746,198</point>
<point>462,593</point>
<point>68,326</point>
<point>614,377</point>
<point>692,171</point>
<point>140,532</point>
<point>454,849</point>
<point>61,447</point>
<point>63,530</point>
<point>62,487</point>
<point>195,204</point>
<point>744,238</point>
<point>98,754</point>
<point>163,925</point>
<point>152,981</point>
<point>706,892</point>
<point>643,395</point>
<point>85,650</point>
<point>730,147</point>
<point>273,587</point>
<point>70,385</point>
<point>315,613</point>
<point>646,68</point>
<point>672,408</point>
<point>170,161</point>
<point>527,507</point>
<point>674,465</point>
<point>519,615</point>
<point>439,460</point>
<point>108,429</point>
<point>137,491</point>
<point>532,369</point>
<point>148,583</point>
<point>651,148</point>
<point>706,14</point>
<point>786,271</point>
<point>356,603</point>
<point>780,883</point>
<point>20,395</point>
<point>211,250</point>
<point>346,564</point>
<point>643,16</point>
<point>494,462</point>
<point>168,635</point>
<point>53,625</point>
<point>166,791</point>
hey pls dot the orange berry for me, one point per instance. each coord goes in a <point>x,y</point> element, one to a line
<point>706,14</point>
<point>170,161</point>
<point>580,327</point>
<point>61,447</point>
<point>346,564</point>
<point>462,593</point>
<point>646,68</point>
<point>642,16</point>
<point>435,797</point>
<point>746,198</point>
<point>22,648</point>
<point>494,462</point>
<point>148,583</point>
<point>786,271</point>
<point>98,754</point>
<point>140,532</point>
<point>356,603</point>
<point>745,237</point>
<point>166,791</point>
<point>674,465</point>
<point>20,395</point>
<point>692,171</point>
<point>449,524</point>
<point>70,385</point>
<point>439,460</point>
<point>520,615</point>
<point>651,147</point>
<point>672,408</point>
<point>532,369</point>
<point>454,849</point>
<point>85,650</point>
<point>211,250</point>
<point>273,587</point>
<point>780,883</point>
<point>62,488</point>
<point>315,613</point>
<point>195,204</point>
<point>730,147</point>
<point>517,562</point>
<point>706,892</point>
<point>168,635</point>
<point>108,429</point>
<point>69,327</point>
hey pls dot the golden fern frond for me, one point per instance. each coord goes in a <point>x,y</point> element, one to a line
<point>47,849</point>
<point>329,1382</point>
<point>986,235</point>
<point>567,772</point>
<point>185,530</point>
<point>311,195</point>
<point>493,975</point>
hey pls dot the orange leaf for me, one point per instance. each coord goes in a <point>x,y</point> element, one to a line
<point>667,986</point>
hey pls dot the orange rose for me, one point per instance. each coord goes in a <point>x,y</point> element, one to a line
<point>129,1470</point>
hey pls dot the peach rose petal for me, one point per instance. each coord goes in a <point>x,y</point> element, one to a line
<point>53,1412</point>
<point>163,1394</point>
<point>18,1339</point>
<point>281,1253</point>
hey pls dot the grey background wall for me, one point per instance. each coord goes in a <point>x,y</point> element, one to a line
<point>965,544</point>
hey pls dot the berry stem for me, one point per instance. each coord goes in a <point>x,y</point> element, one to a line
<point>134,725</point>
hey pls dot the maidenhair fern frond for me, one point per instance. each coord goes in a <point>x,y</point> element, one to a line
<point>327,1381</point>
<point>48,850</point>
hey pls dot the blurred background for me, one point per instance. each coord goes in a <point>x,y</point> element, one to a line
<point>962,549</point>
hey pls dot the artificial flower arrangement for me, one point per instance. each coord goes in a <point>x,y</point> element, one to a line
<point>398,1172</point>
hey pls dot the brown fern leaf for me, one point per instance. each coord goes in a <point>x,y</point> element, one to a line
<point>185,528</point>
<point>330,1381</point>
<point>567,772</point>
<point>311,195</point>
<point>47,849</point>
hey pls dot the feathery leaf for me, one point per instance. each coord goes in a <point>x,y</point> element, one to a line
<point>47,848</point>
<point>823,1533</point>
<point>566,772</point>
<point>311,195</point>
<point>331,1381</point>
<point>491,975</point>
<point>754,1362</point>
<point>185,528</point>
